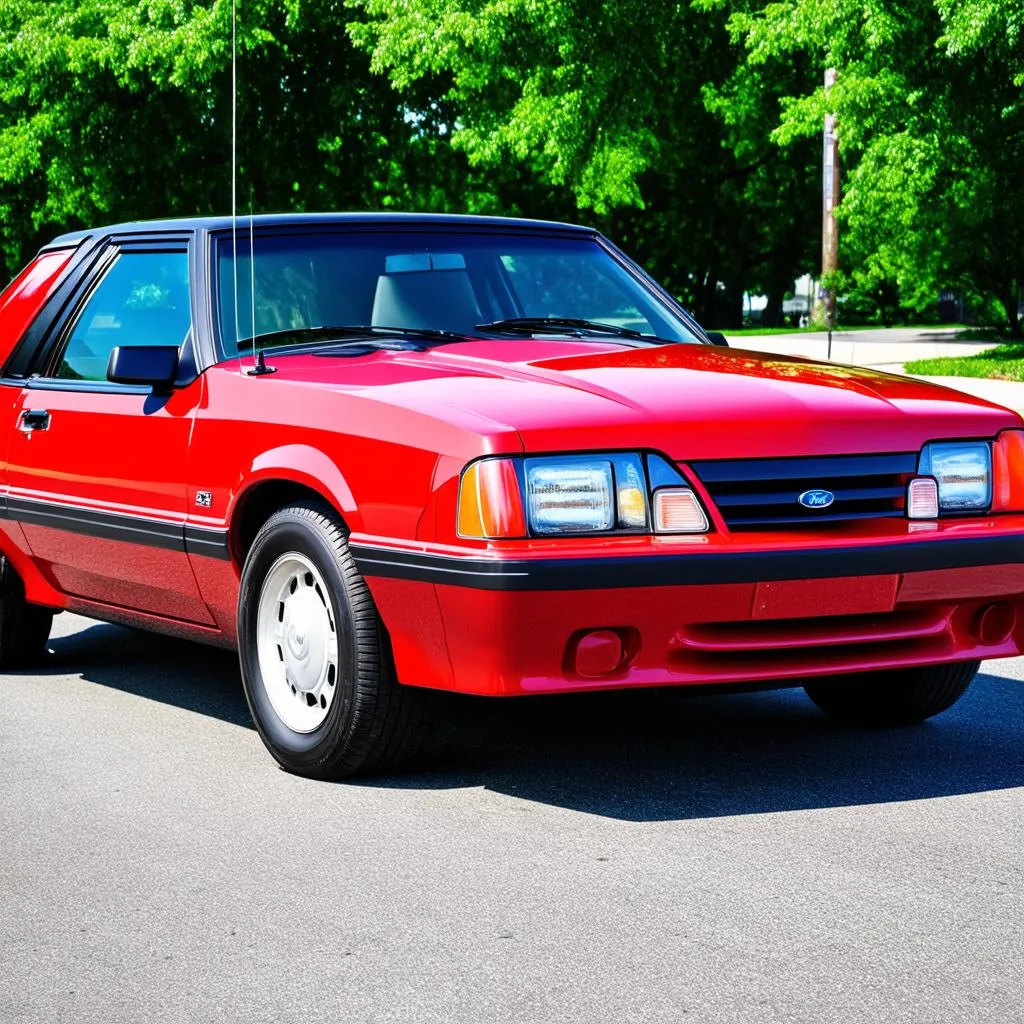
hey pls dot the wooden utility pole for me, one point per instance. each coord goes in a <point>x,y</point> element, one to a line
<point>829,228</point>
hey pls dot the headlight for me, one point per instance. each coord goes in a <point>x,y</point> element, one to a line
<point>963,472</point>
<point>558,495</point>
<point>569,497</point>
<point>586,494</point>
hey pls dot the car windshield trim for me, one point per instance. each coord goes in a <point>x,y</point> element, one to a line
<point>333,334</point>
<point>565,324</point>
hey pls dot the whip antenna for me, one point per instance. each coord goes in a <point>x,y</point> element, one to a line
<point>234,168</point>
<point>252,271</point>
<point>260,368</point>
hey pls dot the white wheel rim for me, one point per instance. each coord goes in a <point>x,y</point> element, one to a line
<point>297,643</point>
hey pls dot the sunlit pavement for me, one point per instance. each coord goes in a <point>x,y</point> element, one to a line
<point>634,857</point>
<point>882,348</point>
<point>889,350</point>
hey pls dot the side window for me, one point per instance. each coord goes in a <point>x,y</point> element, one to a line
<point>142,300</point>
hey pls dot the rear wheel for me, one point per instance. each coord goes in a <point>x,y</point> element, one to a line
<point>894,697</point>
<point>316,663</point>
<point>24,627</point>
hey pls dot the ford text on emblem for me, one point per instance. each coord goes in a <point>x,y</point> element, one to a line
<point>816,499</point>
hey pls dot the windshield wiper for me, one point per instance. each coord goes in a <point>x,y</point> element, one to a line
<point>339,333</point>
<point>559,325</point>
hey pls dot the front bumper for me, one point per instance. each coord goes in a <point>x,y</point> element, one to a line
<point>503,626</point>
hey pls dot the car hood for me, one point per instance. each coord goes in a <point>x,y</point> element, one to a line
<point>689,401</point>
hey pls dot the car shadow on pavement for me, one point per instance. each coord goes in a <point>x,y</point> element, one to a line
<point>666,755</point>
<point>967,336</point>
<point>160,668</point>
<point>649,755</point>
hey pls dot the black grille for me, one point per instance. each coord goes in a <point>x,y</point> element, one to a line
<point>754,494</point>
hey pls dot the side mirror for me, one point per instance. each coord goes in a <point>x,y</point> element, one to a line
<point>717,338</point>
<point>153,365</point>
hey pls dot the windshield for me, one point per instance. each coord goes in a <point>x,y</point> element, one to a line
<point>439,280</point>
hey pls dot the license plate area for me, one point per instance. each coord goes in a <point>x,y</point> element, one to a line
<point>811,599</point>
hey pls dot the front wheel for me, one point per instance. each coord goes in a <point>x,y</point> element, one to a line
<point>893,697</point>
<point>24,627</point>
<point>316,664</point>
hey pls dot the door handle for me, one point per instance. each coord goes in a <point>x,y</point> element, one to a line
<point>34,419</point>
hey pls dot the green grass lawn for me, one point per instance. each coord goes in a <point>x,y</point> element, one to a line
<point>1004,362</point>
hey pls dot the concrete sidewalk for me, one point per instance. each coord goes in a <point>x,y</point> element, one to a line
<point>888,350</point>
<point>868,348</point>
<point>1008,393</point>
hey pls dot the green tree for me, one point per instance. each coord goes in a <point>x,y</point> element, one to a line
<point>117,110</point>
<point>640,108</point>
<point>931,128</point>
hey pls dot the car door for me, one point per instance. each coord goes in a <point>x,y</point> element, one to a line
<point>20,303</point>
<point>96,470</point>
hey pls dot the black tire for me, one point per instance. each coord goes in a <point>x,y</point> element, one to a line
<point>373,723</point>
<point>24,627</point>
<point>894,697</point>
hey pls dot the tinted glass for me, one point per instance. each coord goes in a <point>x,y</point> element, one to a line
<point>445,280</point>
<point>142,300</point>
<point>559,284</point>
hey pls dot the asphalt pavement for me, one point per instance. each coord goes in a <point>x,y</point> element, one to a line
<point>619,858</point>
<point>616,858</point>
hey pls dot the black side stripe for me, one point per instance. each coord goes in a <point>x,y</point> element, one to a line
<point>128,529</point>
<point>90,523</point>
<point>208,541</point>
<point>465,572</point>
<point>691,568</point>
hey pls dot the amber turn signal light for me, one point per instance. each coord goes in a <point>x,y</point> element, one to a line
<point>490,504</point>
<point>1008,472</point>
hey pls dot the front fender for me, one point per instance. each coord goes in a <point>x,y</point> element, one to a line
<point>304,465</point>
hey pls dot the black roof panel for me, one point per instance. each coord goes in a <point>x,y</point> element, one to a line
<point>320,220</point>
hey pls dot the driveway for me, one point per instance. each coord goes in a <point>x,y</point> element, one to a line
<point>620,858</point>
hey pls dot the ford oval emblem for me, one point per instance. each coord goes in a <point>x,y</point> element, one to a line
<point>816,499</point>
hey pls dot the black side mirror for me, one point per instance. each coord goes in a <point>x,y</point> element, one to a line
<point>153,365</point>
<point>717,338</point>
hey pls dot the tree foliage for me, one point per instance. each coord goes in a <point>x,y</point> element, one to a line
<point>113,109</point>
<point>635,105</point>
<point>641,108</point>
<point>689,130</point>
<point>930,112</point>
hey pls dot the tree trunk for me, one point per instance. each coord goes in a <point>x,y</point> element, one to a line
<point>1010,302</point>
<point>772,314</point>
<point>704,300</point>
<point>729,306</point>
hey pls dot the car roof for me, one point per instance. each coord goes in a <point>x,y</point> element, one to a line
<point>225,223</point>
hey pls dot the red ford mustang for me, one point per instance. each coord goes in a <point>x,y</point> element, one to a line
<point>385,454</point>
